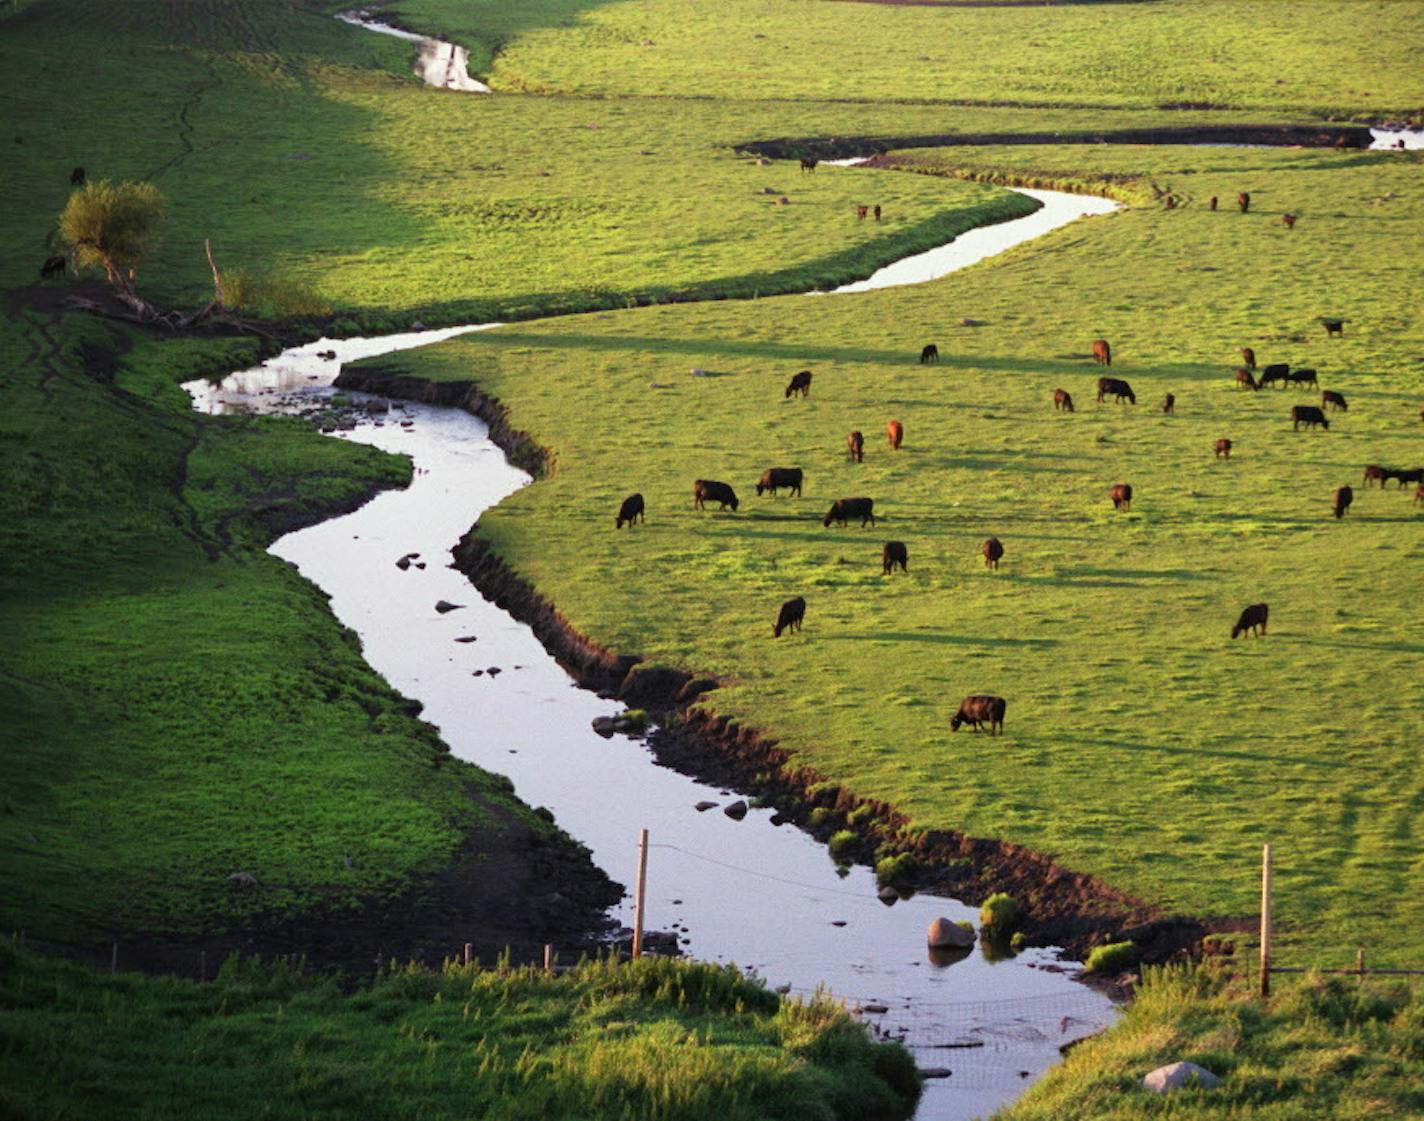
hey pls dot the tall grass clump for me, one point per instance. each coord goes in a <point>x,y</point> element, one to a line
<point>999,915</point>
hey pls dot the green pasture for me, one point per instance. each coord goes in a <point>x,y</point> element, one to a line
<point>1142,744</point>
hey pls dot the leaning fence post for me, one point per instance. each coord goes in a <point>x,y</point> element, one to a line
<point>1266,919</point>
<point>638,896</point>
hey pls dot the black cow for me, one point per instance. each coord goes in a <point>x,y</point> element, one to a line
<point>1333,327</point>
<point>774,478</point>
<point>1330,397</point>
<point>843,509</point>
<point>53,266</point>
<point>801,384</point>
<point>631,511</point>
<point>1062,399</point>
<point>929,353</point>
<point>1277,371</point>
<point>877,212</point>
<point>1343,497</point>
<point>1121,495</point>
<point>855,446</point>
<point>992,549</point>
<point>1118,388</point>
<point>709,490</point>
<point>1252,619</point>
<point>790,616</point>
<point>1302,377</point>
<point>77,177</point>
<point>1169,404</point>
<point>808,164</point>
<point>894,553</point>
<point>1413,475</point>
<point>1308,415</point>
<point>1211,203</point>
<point>980,710</point>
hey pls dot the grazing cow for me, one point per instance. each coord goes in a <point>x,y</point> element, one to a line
<point>1223,448</point>
<point>1419,494</point>
<point>790,616</point>
<point>1330,397</point>
<point>800,383</point>
<point>980,710</point>
<point>1414,475</point>
<point>1169,404</point>
<point>1343,497</point>
<point>895,433</point>
<point>53,266</point>
<point>1243,200</point>
<point>1289,220</point>
<point>855,446</point>
<point>894,553</point>
<point>77,177</point>
<point>1102,353</point>
<point>709,490</point>
<point>1121,495</point>
<point>1063,400</point>
<point>1212,204</point>
<point>630,511</point>
<point>1249,357</point>
<point>929,353</point>
<point>1244,378</point>
<point>808,164</point>
<point>1334,327</point>
<point>1302,377</point>
<point>877,212</point>
<point>992,549</point>
<point>1277,371</point>
<point>774,478</point>
<point>1309,416</point>
<point>1252,619</point>
<point>843,509</point>
<point>1375,474</point>
<point>1118,388</point>
<point>861,212</point>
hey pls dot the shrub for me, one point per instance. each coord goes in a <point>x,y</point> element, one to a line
<point>897,869</point>
<point>112,227</point>
<point>1000,914</point>
<point>271,295</point>
<point>861,815</point>
<point>844,844</point>
<point>821,817</point>
<point>1112,957</point>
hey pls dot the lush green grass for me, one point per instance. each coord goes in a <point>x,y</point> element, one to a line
<point>1142,745</point>
<point>657,1039</point>
<point>1318,1048</point>
<point>1312,56</point>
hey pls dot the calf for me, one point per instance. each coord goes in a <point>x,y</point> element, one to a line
<point>980,710</point>
<point>1337,400</point>
<point>861,212</point>
<point>1333,327</point>
<point>1169,404</point>
<point>53,266</point>
<point>992,549</point>
<point>1223,448</point>
<point>894,553</point>
<point>709,490</point>
<point>1249,357</point>
<point>1302,377</point>
<point>808,164</point>
<point>631,511</point>
<point>1062,399</point>
<point>1102,353</point>
<point>1121,495</point>
<point>1277,371</point>
<point>895,433</point>
<point>1252,619</point>
<point>1374,474</point>
<point>1244,378</point>
<point>77,177</point>
<point>855,446</point>
<point>774,478</point>
<point>1308,415</point>
<point>1118,388</point>
<point>800,383</point>
<point>1289,220</point>
<point>790,616</point>
<point>929,353</point>
<point>844,509</point>
<point>1343,497</point>
<point>1243,200</point>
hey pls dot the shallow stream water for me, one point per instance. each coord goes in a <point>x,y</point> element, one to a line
<point>764,896</point>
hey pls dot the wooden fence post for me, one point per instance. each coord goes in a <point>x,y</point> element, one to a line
<point>548,958</point>
<point>1360,963</point>
<point>638,896</point>
<point>1266,919</point>
<point>469,946</point>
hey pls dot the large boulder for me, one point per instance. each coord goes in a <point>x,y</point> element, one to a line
<point>1177,1075</point>
<point>946,935</point>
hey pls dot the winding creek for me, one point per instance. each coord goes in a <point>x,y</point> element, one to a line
<point>764,896</point>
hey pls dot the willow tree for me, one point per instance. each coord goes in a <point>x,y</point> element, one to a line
<point>114,227</point>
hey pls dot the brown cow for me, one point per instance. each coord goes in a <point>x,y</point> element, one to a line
<point>877,212</point>
<point>979,710</point>
<point>1419,494</point>
<point>1308,415</point>
<point>1212,204</point>
<point>1223,448</point>
<point>1102,352</point>
<point>1333,327</point>
<point>862,211</point>
<point>800,383</point>
<point>774,478</point>
<point>992,549</point>
<point>1252,619</point>
<point>843,509</point>
<point>895,432</point>
<point>1244,378</point>
<point>630,511</point>
<point>1289,220</point>
<point>1249,357</point>
<point>1121,495</point>
<point>855,446</point>
<point>1169,404</point>
<point>894,553</point>
<point>1374,474</point>
<point>1343,497</point>
<point>1337,400</point>
<point>790,616</point>
<point>1062,399</point>
<point>709,490</point>
<point>1243,200</point>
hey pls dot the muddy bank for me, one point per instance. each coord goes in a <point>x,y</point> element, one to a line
<point>1065,908</point>
<point>1285,136</point>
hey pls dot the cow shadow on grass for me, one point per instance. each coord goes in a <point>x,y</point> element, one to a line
<point>944,638</point>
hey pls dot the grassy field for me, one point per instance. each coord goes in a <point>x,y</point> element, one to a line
<point>1143,744</point>
<point>654,1040</point>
